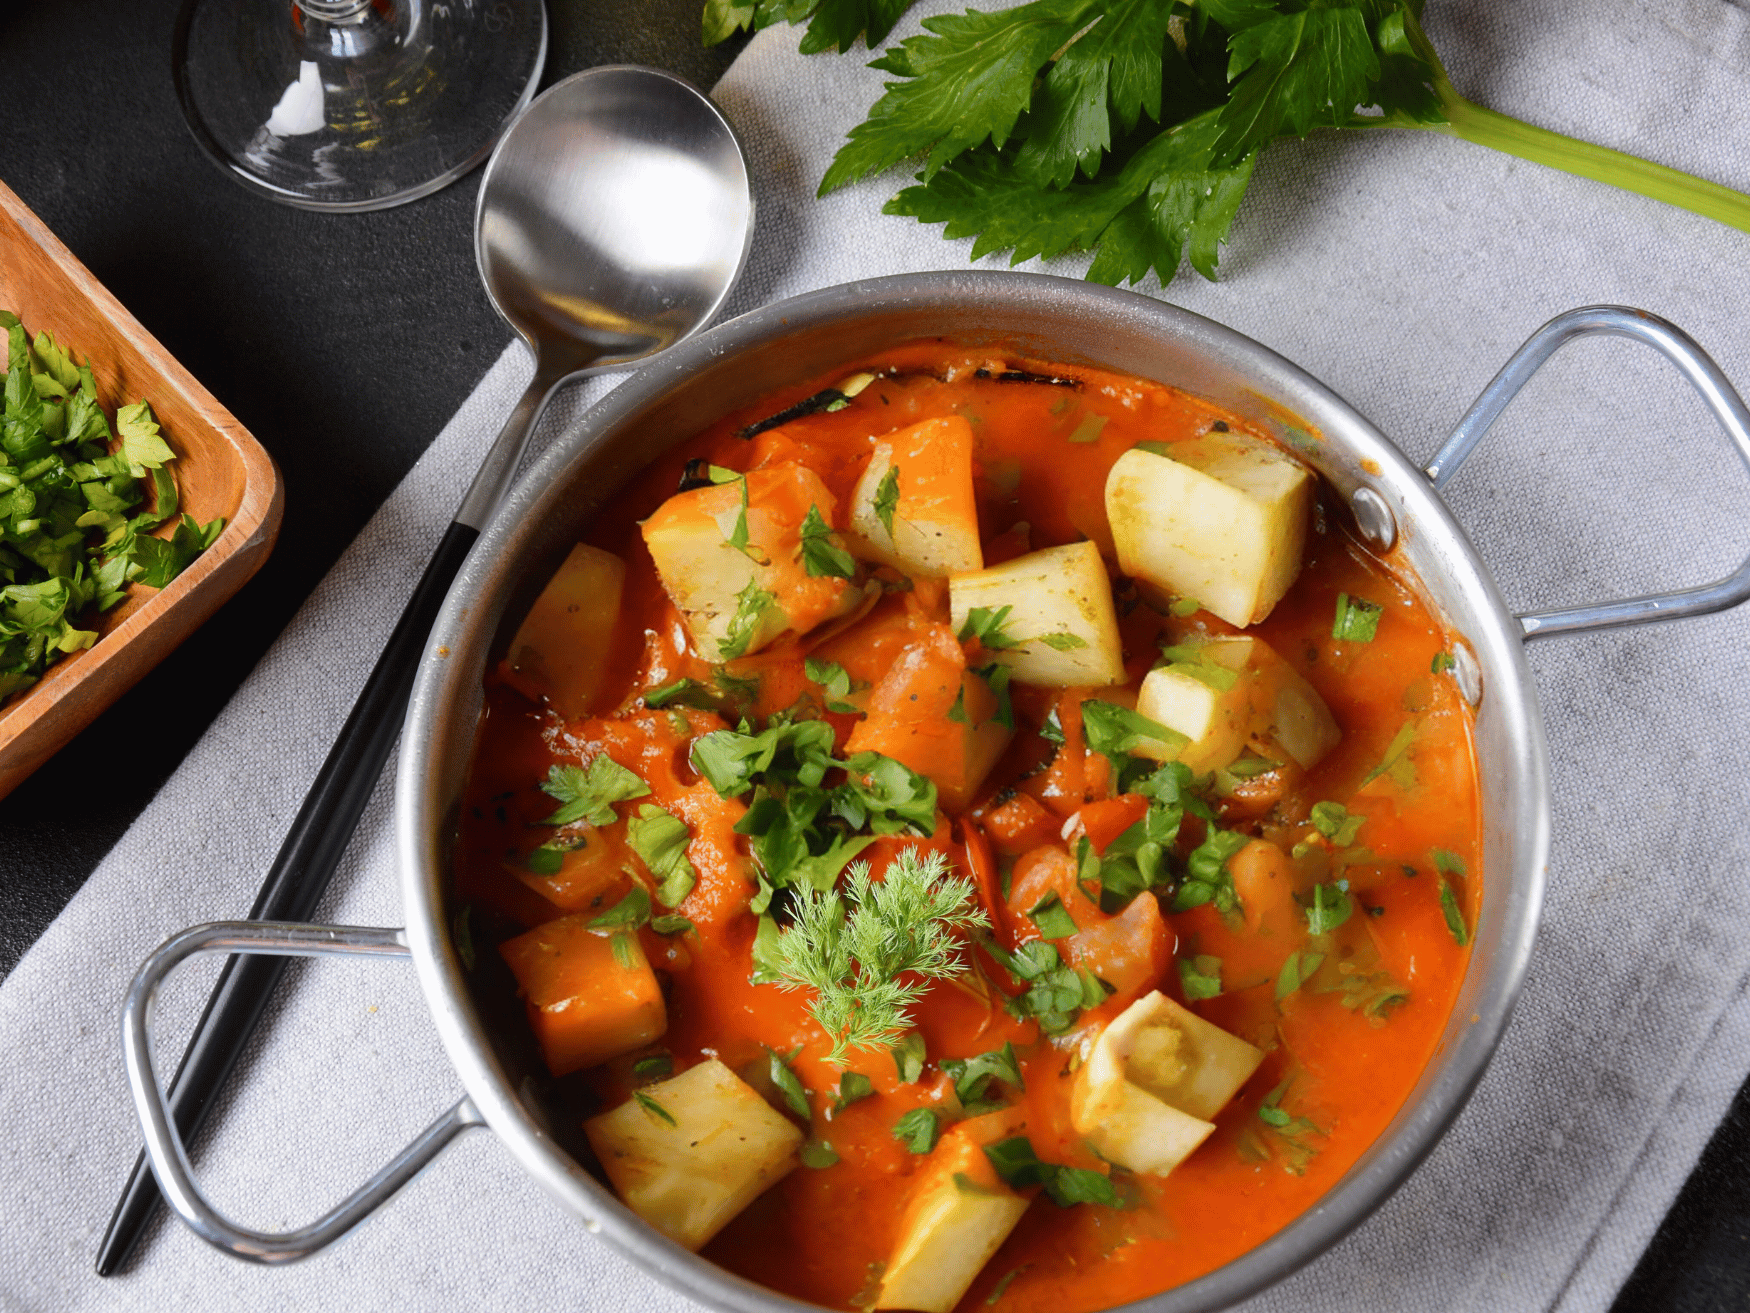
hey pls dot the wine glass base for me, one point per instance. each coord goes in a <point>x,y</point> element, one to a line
<point>361,110</point>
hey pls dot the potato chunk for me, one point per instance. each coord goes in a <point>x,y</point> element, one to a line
<point>736,600</point>
<point>959,1214</point>
<point>1222,519</point>
<point>562,648</point>
<point>1155,1077</point>
<point>1237,690</point>
<point>694,1151</point>
<point>1061,620</point>
<point>935,519</point>
<point>588,1000</point>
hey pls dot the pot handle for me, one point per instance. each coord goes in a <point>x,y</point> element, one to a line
<point>164,1144</point>
<point>1703,375</point>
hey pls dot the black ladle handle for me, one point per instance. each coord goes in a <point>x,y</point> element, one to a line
<point>295,883</point>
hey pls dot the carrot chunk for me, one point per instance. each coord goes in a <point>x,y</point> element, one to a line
<point>589,999</point>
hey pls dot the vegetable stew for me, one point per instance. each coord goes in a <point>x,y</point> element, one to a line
<point>970,830</point>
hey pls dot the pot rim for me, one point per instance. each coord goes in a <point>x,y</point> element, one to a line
<point>1349,451</point>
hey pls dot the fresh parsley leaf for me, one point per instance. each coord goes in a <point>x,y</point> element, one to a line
<point>1200,976</point>
<point>919,1129</point>
<point>545,860</point>
<point>1296,971</point>
<point>1056,992</point>
<point>1395,763</point>
<point>142,444</point>
<point>654,1109</point>
<point>822,557</point>
<point>751,605</point>
<point>972,1076</point>
<point>1443,661</point>
<point>1330,907</point>
<point>681,693</point>
<point>800,751</point>
<point>887,498</point>
<point>886,795</point>
<point>871,951</point>
<point>588,793</point>
<point>1357,619</point>
<point>1193,660</point>
<point>1020,1166</point>
<point>1063,642</point>
<point>833,679</point>
<point>654,1066</point>
<point>1450,909</point>
<point>789,1084</point>
<point>1337,823</point>
<point>986,625</point>
<point>629,913</point>
<point>818,1154</point>
<point>1116,732</point>
<point>671,925</point>
<point>1207,878</point>
<point>768,962</point>
<point>1052,918</point>
<point>853,1085</point>
<point>1294,72</point>
<point>908,1058</point>
<point>1446,862</point>
<point>660,839</point>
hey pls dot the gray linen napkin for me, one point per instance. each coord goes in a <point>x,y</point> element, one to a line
<point>1400,268</point>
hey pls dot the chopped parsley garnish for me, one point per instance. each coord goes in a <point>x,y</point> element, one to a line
<point>1116,732</point>
<point>853,1085</point>
<point>986,625</point>
<point>1395,764</point>
<point>1207,879</point>
<point>1447,862</point>
<point>1063,642</point>
<point>1052,918</point>
<point>629,913</point>
<point>654,1109</point>
<point>751,605</point>
<point>1337,823</point>
<point>588,793</point>
<point>72,513</point>
<point>908,1058</point>
<point>1296,971</point>
<point>1200,976</point>
<point>821,556</point>
<point>835,682</point>
<point>681,693</point>
<point>870,951</point>
<point>1328,907</point>
<point>1056,994</point>
<point>1357,619</point>
<point>1443,661</point>
<point>788,1083</point>
<point>972,1076</point>
<point>655,1066</point>
<point>1089,429</point>
<point>1194,661</point>
<point>1450,909</point>
<point>1016,1162</point>
<point>818,1154</point>
<point>919,1129</point>
<point>887,498</point>
<point>660,839</point>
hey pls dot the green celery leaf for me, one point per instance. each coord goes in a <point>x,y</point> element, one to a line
<point>1292,73</point>
<point>919,1129</point>
<point>660,839</point>
<point>629,913</point>
<point>972,1076</point>
<point>1112,70</point>
<point>141,444</point>
<point>853,1085</point>
<point>967,80</point>
<point>838,23</point>
<point>908,1058</point>
<point>588,793</point>
<point>822,555</point>
<point>789,1084</point>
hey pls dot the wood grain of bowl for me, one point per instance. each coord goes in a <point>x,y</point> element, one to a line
<point>220,469</point>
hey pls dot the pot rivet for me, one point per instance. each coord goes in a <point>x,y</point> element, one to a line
<point>1374,519</point>
<point>1467,672</point>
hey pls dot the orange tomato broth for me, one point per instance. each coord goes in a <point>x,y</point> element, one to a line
<point>818,1234</point>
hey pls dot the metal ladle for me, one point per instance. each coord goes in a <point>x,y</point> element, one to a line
<point>614,219</point>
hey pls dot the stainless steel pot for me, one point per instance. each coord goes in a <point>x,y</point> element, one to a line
<point>679,394</point>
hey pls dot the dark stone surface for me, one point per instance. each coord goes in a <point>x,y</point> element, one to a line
<point>344,342</point>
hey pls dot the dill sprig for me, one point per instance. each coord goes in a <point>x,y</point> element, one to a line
<point>870,952</point>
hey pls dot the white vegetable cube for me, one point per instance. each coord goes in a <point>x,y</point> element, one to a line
<point>959,1214</point>
<point>1222,519</point>
<point>562,647</point>
<point>1300,722</point>
<point>1237,690</point>
<point>1153,1080</point>
<point>731,558</point>
<point>1208,701</point>
<point>1061,622</point>
<point>689,1153</point>
<point>920,479</point>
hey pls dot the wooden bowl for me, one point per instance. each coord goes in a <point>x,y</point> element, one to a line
<point>220,470</point>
